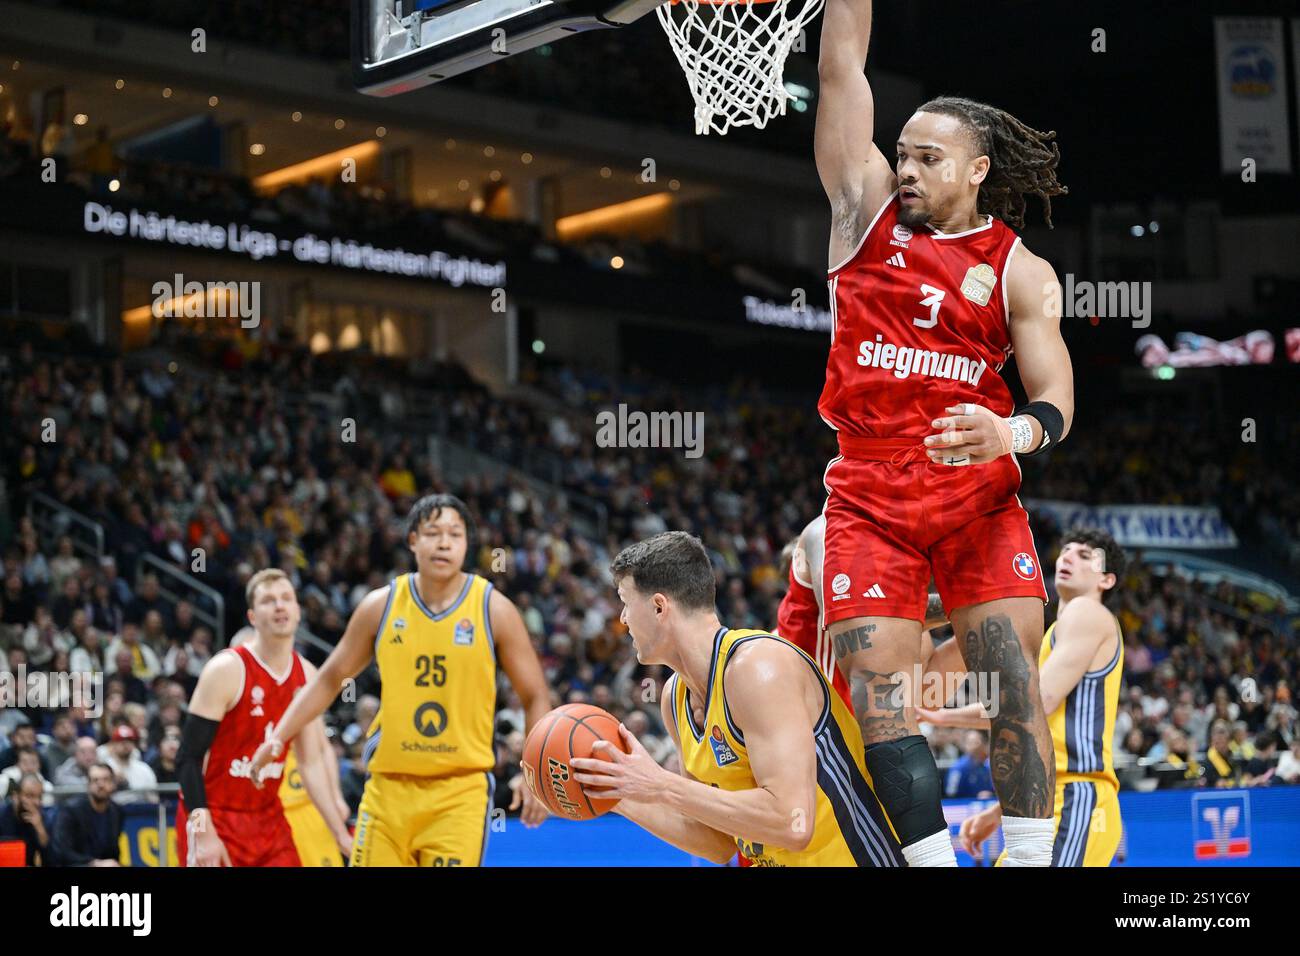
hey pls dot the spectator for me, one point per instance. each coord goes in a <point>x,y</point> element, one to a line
<point>143,659</point>
<point>21,737</point>
<point>42,639</point>
<point>135,778</point>
<point>25,817</point>
<point>149,598</point>
<point>62,742</point>
<point>28,764</point>
<point>1288,765</point>
<point>74,772</point>
<point>164,763</point>
<point>970,777</point>
<point>70,599</point>
<point>1260,769</point>
<point>88,829</point>
<point>1222,769</point>
<point>88,656</point>
<point>364,714</point>
<point>132,687</point>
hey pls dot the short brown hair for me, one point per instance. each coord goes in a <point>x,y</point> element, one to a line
<point>673,563</point>
<point>265,576</point>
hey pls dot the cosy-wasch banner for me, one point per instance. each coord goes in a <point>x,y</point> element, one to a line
<point>1143,526</point>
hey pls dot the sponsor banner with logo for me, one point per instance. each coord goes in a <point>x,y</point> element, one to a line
<point>138,844</point>
<point>1176,828</point>
<point>1143,526</point>
<point>1251,63</point>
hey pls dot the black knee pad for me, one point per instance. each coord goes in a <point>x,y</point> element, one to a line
<point>906,781</point>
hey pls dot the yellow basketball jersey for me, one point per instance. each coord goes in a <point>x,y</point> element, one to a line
<point>293,793</point>
<point>1083,724</point>
<point>849,828</point>
<point>439,690</point>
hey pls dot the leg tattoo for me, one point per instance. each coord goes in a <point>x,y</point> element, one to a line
<point>1025,783</point>
<point>880,703</point>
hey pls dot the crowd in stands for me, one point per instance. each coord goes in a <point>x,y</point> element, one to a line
<point>241,468</point>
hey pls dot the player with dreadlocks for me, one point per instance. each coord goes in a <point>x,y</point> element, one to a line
<point>931,291</point>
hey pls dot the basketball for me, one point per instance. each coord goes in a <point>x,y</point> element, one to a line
<point>564,733</point>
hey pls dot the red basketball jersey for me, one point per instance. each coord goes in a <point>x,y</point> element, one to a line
<point>798,620</point>
<point>919,324</point>
<point>261,704</point>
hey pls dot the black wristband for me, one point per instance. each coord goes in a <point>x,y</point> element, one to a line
<point>1053,422</point>
<point>196,741</point>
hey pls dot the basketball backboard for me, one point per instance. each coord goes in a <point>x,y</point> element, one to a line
<point>399,45</point>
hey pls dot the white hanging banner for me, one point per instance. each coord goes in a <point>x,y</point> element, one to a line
<point>1250,59</point>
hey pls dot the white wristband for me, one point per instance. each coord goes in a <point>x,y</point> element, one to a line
<point>1022,434</point>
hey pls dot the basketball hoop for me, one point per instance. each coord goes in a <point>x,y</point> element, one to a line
<point>733,54</point>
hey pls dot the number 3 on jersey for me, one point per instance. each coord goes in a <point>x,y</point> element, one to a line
<point>933,298</point>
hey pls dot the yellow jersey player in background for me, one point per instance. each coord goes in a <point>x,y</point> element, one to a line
<point>437,634</point>
<point>772,759</point>
<point>1081,664</point>
<point>311,836</point>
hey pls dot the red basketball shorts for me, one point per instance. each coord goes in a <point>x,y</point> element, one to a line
<point>252,838</point>
<point>894,520</point>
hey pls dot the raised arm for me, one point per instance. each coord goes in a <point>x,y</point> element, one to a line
<point>855,174</point>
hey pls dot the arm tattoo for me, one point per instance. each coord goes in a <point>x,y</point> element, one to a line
<point>856,639</point>
<point>1024,784</point>
<point>879,703</point>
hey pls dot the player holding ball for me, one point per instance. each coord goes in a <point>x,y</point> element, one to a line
<point>772,758</point>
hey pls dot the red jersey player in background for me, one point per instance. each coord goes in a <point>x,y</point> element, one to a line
<point>241,693</point>
<point>931,291</point>
<point>799,617</point>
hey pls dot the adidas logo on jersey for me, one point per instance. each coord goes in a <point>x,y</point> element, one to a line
<point>875,591</point>
<point>896,260</point>
<point>397,639</point>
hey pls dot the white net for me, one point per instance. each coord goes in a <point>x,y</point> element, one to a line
<point>734,56</point>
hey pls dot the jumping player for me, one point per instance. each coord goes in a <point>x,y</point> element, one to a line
<point>241,692</point>
<point>771,758</point>
<point>438,635</point>
<point>1081,666</point>
<point>931,291</point>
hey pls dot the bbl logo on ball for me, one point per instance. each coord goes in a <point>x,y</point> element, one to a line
<point>430,719</point>
<point>1024,566</point>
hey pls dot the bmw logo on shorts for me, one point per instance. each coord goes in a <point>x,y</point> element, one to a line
<point>1024,566</point>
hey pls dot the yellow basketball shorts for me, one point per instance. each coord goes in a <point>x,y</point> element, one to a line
<point>315,843</point>
<point>423,821</point>
<point>1088,824</point>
